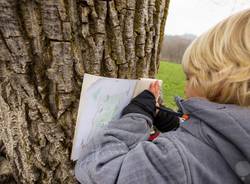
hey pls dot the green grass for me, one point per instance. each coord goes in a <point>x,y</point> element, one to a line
<point>173,79</point>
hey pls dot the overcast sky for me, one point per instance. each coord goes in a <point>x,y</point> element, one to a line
<point>197,16</point>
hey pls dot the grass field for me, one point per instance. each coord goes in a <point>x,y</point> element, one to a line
<point>173,82</point>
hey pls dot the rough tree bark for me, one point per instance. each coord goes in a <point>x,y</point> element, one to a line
<point>45,48</point>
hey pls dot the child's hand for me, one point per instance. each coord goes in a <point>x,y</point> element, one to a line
<point>154,88</point>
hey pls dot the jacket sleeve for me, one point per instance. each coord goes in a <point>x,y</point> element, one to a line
<point>121,154</point>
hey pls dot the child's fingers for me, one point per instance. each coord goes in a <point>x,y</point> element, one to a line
<point>157,84</point>
<point>155,89</point>
<point>152,88</point>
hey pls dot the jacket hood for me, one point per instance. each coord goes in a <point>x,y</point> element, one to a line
<point>224,127</point>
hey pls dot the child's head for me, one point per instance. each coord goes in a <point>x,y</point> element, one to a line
<point>217,63</point>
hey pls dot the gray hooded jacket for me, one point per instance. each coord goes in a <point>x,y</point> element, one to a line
<point>213,146</point>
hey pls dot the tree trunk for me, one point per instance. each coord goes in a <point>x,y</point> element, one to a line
<point>45,48</point>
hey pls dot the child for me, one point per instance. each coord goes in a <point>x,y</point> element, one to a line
<point>212,146</point>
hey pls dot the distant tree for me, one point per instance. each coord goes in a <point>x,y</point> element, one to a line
<point>174,47</point>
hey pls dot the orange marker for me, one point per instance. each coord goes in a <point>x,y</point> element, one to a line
<point>185,117</point>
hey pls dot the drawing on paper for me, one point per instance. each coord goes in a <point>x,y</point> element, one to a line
<point>105,105</point>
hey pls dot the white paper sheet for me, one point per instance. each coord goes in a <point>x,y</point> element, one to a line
<point>102,100</point>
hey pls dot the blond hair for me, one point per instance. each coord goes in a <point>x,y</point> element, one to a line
<point>218,62</point>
